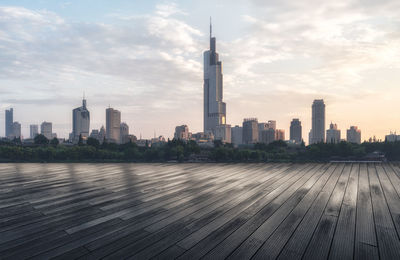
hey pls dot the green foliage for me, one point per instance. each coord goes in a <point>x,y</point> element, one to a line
<point>41,139</point>
<point>54,142</point>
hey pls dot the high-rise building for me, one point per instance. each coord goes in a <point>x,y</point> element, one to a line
<point>124,133</point>
<point>223,133</point>
<point>261,128</point>
<point>9,122</point>
<point>318,122</point>
<point>268,136</point>
<point>214,107</point>
<point>295,131</point>
<point>46,129</point>
<point>113,124</point>
<point>354,135</point>
<point>250,131</point>
<point>16,130</point>
<point>333,134</point>
<point>271,124</point>
<point>182,132</point>
<point>237,135</point>
<point>279,134</point>
<point>80,122</point>
<point>33,130</point>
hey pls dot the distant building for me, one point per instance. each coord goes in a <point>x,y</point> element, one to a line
<point>262,127</point>
<point>80,122</point>
<point>46,129</point>
<point>124,133</point>
<point>392,137</point>
<point>16,130</point>
<point>271,124</point>
<point>354,135</point>
<point>99,135</point>
<point>113,124</point>
<point>223,133</point>
<point>318,122</point>
<point>182,133</point>
<point>268,136</point>
<point>250,131</point>
<point>9,122</point>
<point>33,131</point>
<point>279,134</point>
<point>214,107</point>
<point>237,135</point>
<point>295,131</point>
<point>333,134</point>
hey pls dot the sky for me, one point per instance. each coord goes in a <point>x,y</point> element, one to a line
<point>144,58</point>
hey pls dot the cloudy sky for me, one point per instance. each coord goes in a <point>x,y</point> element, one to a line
<point>145,59</point>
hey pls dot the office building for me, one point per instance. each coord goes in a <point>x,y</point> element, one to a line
<point>15,130</point>
<point>46,129</point>
<point>317,134</point>
<point>262,127</point>
<point>182,133</point>
<point>33,131</point>
<point>354,135</point>
<point>223,133</point>
<point>333,134</point>
<point>9,122</point>
<point>124,133</point>
<point>250,131</point>
<point>271,124</point>
<point>113,124</point>
<point>214,107</point>
<point>296,131</point>
<point>80,122</point>
<point>237,135</point>
<point>268,136</point>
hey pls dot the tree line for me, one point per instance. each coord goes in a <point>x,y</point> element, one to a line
<point>44,150</point>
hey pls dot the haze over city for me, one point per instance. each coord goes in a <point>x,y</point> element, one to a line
<point>145,59</point>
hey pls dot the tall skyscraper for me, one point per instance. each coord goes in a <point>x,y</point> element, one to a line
<point>46,129</point>
<point>333,134</point>
<point>9,122</point>
<point>317,134</point>
<point>295,131</point>
<point>113,124</point>
<point>250,131</point>
<point>214,107</point>
<point>33,130</point>
<point>354,135</point>
<point>80,122</point>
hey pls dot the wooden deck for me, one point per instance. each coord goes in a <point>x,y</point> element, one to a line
<point>192,211</point>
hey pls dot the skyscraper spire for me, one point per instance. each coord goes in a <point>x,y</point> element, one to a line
<point>210,28</point>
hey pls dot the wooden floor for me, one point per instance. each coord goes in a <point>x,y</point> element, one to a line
<point>192,211</point>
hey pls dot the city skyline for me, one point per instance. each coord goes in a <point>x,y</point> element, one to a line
<point>358,84</point>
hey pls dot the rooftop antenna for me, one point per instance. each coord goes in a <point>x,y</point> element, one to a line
<point>210,28</point>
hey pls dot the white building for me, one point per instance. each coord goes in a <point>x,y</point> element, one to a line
<point>333,134</point>
<point>392,137</point>
<point>113,124</point>
<point>33,131</point>
<point>16,130</point>
<point>46,129</point>
<point>354,135</point>
<point>237,135</point>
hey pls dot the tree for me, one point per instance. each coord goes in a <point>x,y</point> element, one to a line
<point>93,142</point>
<point>41,139</point>
<point>54,142</point>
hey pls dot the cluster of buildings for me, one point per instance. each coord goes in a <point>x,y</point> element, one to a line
<point>252,131</point>
<point>215,122</point>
